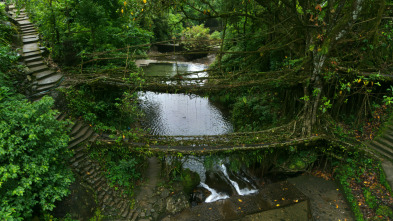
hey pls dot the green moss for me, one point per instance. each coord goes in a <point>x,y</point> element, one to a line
<point>189,180</point>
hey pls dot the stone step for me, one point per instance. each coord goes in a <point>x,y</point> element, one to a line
<point>134,216</point>
<point>101,180</point>
<point>82,131</point>
<point>61,116</point>
<point>95,180</point>
<point>32,32</point>
<point>35,63</point>
<point>385,144</point>
<point>20,18</point>
<point>377,147</point>
<point>76,160</point>
<point>37,69</point>
<point>89,173</point>
<point>388,136</point>
<point>33,47</point>
<point>79,149</point>
<point>29,36</point>
<point>50,80</point>
<point>44,74</point>
<point>30,40</point>
<point>31,54</point>
<point>107,198</point>
<point>124,212</point>
<point>28,29</point>
<point>73,143</point>
<point>86,163</point>
<point>76,128</point>
<point>24,23</point>
<point>101,195</point>
<point>48,87</point>
<point>34,59</point>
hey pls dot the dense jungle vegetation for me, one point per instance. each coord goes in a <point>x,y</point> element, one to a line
<point>324,67</point>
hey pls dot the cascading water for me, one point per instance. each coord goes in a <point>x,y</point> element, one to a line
<point>220,183</point>
<point>214,194</point>
<point>239,191</point>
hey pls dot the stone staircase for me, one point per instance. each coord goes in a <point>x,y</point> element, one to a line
<point>43,79</point>
<point>383,147</point>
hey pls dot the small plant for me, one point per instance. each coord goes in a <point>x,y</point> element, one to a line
<point>123,173</point>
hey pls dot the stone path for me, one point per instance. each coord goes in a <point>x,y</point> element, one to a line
<point>383,146</point>
<point>145,197</point>
<point>43,79</point>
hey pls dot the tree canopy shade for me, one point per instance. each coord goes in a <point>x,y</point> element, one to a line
<point>313,41</point>
<point>326,47</point>
<point>33,149</point>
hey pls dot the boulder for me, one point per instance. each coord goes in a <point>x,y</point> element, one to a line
<point>177,203</point>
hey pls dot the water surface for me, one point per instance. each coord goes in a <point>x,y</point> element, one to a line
<point>180,114</point>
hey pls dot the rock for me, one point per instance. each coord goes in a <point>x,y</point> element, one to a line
<point>165,193</point>
<point>190,180</point>
<point>152,210</point>
<point>177,203</point>
<point>142,214</point>
<point>198,196</point>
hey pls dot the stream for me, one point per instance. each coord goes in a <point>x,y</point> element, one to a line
<point>225,190</point>
<point>193,115</point>
<point>181,114</point>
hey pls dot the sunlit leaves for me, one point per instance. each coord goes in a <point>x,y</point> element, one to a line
<point>32,152</point>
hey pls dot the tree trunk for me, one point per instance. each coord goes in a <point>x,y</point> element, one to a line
<point>313,92</point>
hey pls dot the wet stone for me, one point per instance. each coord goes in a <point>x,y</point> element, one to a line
<point>30,48</point>
<point>50,80</point>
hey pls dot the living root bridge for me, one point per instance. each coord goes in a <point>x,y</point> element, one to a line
<point>207,150</point>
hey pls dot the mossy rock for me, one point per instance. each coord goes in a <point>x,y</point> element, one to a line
<point>190,180</point>
<point>298,165</point>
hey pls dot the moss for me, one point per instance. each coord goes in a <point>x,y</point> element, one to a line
<point>190,180</point>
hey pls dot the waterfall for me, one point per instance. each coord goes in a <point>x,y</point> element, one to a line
<point>239,191</point>
<point>214,195</point>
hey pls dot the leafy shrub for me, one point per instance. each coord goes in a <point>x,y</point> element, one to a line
<point>196,38</point>
<point>103,106</point>
<point>33,149</point>
<point>252,113</point>
<point>123,172</point>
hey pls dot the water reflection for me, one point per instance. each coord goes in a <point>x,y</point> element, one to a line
<point>179,114</point>
<point>182,71</point>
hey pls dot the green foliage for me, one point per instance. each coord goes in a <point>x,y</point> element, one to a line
<point>196,38</point>
<point>7,58</point>
<point>33,149</point>
<point>5,28</point>
<point>297,160</point>
<point>253,113</point>
<point>370,199</point>
<point>72,26</point>
<point>123,172</point>
<point>387,99</point>
<point>385,211</point>
<point>103,107</point>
